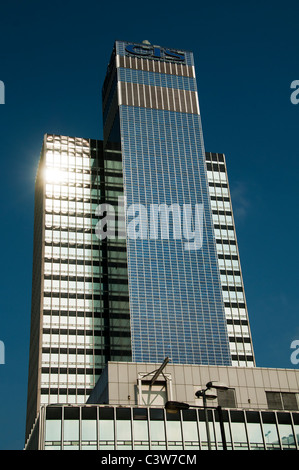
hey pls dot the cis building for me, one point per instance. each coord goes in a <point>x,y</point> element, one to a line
<point>137,291</point>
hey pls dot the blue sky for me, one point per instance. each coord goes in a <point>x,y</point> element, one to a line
<point>53,59</point>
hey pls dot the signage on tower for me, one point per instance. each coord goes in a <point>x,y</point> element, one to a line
<point>155,52</point>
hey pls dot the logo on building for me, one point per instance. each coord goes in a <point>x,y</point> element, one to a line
<point>155,52</point>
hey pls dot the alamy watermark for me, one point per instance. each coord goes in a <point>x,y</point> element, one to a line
<point>2,92</point>
<point>295,94</point>
<point>152,222</point>
<point>295,354</point>
<point>2,353</point>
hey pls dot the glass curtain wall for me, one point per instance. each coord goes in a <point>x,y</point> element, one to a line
<point>108,428</point>
<point>150,108</point>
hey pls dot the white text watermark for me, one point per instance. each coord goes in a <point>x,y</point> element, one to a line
<point>2,92</point>
<point>151,222</point>
<point>2,353</point>
<point>295,354</point>
<point>295,94</point>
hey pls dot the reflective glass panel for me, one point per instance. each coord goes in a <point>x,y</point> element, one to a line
<point>238,430</point>
<point>53,430</point>
<point>286,431</point>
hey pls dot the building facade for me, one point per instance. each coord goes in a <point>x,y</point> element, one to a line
<point>80,305</point>
<point>135,249</point>
<point>234,299</point>
<point>150,107</point>
<point>259,411</point>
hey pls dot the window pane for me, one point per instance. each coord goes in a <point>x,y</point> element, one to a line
<point>123,434</point>
<point>53,430</point>
<point>174,434</point>
<point>239,436</point>
<point>286,431</point>
<point>271,436</point>
<point>255,436</point>
<point>190,434</point>
<point>289,401</point>
<point>71,430</point>
<point>274,400</point>
<point>106,434</point>
<point>140,429</point>
<point>203,431</point>
<point>157,431</point>
<point>286,436</point>
<point>226,398</point>
<point>89,430</point>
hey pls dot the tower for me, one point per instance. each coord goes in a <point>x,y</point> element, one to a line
<point>151,110</point>
<point>164,278</point>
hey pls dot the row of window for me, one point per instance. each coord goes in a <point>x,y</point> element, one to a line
<point>215,157</point>
<point>237,329</point>
<point>76,269</point>
<point>156,79</point>
<point>124,428</point>
<point>223,248</point>
<point>120,304</point>
<point>67,162</point>
<point>235,305</point>
<point>238,307</point>
<point>64,177</point>
<point>71,191</point>
<point>221,205</point>
<point>218,192</point>
<point>57,252</point>
<point>92,357</point>
<point>228,264</point>
<point>231,280</point>
<point>216,177</point>
<point>214,167</point>
<point>72,304</point>
<point>57,138</point>
<point>222,219</point>
<point>70,206</point>
<point>69,290</point>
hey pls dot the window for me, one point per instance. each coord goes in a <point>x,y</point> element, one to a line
<point>89,428</point>
<point>71,428</point>
<point>238,430</point>
<point>155,394</point>
<point>226,398</point>
<point>157,429</point>
<point>123,428</point>
<point>53,428</point>
<point>254,430</point>
<point>282,400</point>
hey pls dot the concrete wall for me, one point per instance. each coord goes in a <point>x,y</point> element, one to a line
<point>119,383</point>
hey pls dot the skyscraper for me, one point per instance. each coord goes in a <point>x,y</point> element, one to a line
<point>235,306</point>
<point>151,109</point>
<point>170,284</point>
<point>80,305</point>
